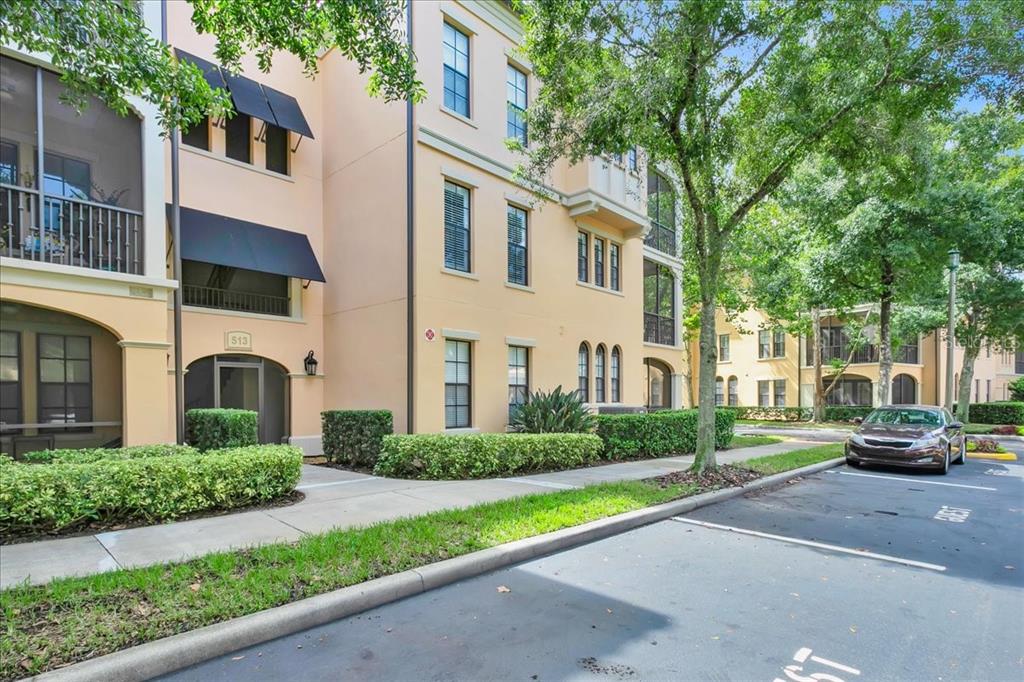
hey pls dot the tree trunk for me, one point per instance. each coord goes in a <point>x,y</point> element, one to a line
<point>818,412</point>
<point>885,335</point>
<point>688,375</point>
<point>963,397</point>
<point>705,455</point>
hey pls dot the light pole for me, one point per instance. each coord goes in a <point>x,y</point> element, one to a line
<point>954,264</point>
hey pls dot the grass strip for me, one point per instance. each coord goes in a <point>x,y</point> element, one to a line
<point>773,464</point>
<point>74,619</point>
<point>752,441</point>
<point>796,425</point>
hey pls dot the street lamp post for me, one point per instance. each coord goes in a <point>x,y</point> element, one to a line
<point>954,264</point>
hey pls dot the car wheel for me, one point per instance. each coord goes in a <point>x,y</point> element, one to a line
<point>962,459</point>
<point>945,463</point>
<point>852,463</point>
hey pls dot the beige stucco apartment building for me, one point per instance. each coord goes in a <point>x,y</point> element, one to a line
<point>391,244</point>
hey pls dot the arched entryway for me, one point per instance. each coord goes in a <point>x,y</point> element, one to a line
<point>246,382</point>
<point>60,381</point>
<point>904,390</point>
<point>658,385</point>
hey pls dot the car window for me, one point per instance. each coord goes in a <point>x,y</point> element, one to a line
<point>909,417</point>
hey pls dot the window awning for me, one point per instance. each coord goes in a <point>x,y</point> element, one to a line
<point>217,239</point>
<point>252,98</point>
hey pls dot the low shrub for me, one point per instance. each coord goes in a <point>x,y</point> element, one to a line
<point>772,414</point>
<point>554,412</point>
<point>86,455</point>
<point>846,413</point>
<point>484,455</point>
<point>983,445</point>
<point>1017,389</point>
<point>215,428</point>
<point>1006,430</point>
<point>657,434</point>
<point>354,437</point>
<point>63,496</point>
<point>997,413</point>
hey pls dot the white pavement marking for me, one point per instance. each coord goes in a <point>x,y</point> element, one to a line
<point>915,480</point>
<point>952,514</point>
<point>310,486</point>
<point>809,543</point>
<point>543,484</point>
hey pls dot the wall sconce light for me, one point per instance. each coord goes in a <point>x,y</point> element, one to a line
<point>310,362</point>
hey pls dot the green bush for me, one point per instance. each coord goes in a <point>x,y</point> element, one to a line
<point>554,412</point>
<point>63,496</point>
<point>1017,389</point>
<point>772,414</point>
<point>997,413</point>
<point>86,455</point>
<point>354,437</point>
<point>214,428</point>
<point>846,413</point>
<point>485,455</point>
<point>657,434</point>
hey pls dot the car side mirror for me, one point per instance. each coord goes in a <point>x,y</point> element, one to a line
<point>955,425</point>
<point>858,420</point>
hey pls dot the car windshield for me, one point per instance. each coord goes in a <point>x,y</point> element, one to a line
<point>911,417</point>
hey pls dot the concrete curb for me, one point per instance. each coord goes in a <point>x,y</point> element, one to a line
<point>180,651</point>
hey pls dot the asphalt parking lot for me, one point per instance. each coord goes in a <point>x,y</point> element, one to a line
<point>850,574</point>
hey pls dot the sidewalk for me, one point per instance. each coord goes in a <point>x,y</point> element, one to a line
<point>334,499</point>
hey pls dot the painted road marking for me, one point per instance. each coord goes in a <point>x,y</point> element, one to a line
<point>793,672</point>
<point>952,514</point>
<point>310,486</point>
<point>914,480</point>
<point>809,543</point>
<point>543,484</point>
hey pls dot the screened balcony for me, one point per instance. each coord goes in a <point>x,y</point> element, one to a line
<point>85,208</point>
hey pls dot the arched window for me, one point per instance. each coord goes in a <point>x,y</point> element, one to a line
<point>599,358</point>
<point>904,390</point>
<point>616,375</point>
<point>583,371</point>
<point>734,398</point>
<point>719,391</point>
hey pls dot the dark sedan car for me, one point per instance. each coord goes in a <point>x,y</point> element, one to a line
<point>918,436</point>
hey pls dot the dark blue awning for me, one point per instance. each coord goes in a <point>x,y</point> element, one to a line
<point>217,239</point>
<point>249,98</point>
<point>287,112</point>
<point>211,72</point>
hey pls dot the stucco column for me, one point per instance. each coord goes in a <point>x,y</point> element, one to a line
<point>307,401</point>
<point>144,379</point>
<point>677,391</point>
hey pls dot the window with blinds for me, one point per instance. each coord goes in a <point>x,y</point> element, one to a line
<point>582,247</point>
<point>518,378</point>
<point>599,360</point>
<point>457,387</point>
<point>613,266</point>
<point>616,377</point>
<point>517,264</point>
<point>456,227</point>
<point>598,261</point>
<point>583,372</point>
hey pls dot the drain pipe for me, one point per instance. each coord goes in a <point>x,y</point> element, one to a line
<point>410,334</point>
<point>179,375</point>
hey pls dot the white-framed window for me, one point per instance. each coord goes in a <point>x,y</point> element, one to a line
<point>517,87</point>
<point>599,261</point>
<point>456,227</point>
<point>600,356</point>
<point>456,70</point>
<point>518,226</point>
<point>518,378</point>
<point>458,375</point>
<point>583,371</point>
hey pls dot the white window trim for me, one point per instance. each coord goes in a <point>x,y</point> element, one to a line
<point>460,334</point>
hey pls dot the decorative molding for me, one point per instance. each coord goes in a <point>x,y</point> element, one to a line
<point>516,58</point>
<point>520,287</point>
<point>498,17</point>
<point>460,334</point>
<point>459,176</point>
<point>594,287</point>
<point>459,273</point>
<point>589,201</point>
<point>73,278</point>
<point>521,200</point>
<point>155,345</point>
<point>520,341</point>
<point>459,18</point>
<point>303,375</point>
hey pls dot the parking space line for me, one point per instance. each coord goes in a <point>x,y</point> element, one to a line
<point>915,480</point>
<point>810,543</point>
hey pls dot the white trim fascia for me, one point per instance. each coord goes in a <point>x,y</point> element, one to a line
<point>520,341</point>
<point>603,290</point>
<point>460,176</point>
<point>237,313</point>
<point>156,345</point>
<point>459,18</point>
<point>497,17</point>
<point>518,60</point>
<point>663,346</point>
<point>73,278</point>
<point>662,258</point>
<point>485,163</point>
<point>460,334</point>
<point>303,375</point>
<point>520,200</point>
<point>589,201</point>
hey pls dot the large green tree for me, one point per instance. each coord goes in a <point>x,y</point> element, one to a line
<point>729,95</point>
<point>103,47</point>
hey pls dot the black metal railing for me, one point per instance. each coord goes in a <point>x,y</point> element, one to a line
<point>67,231</point>
<point>659,329</point>
<point>241,301</point>
<point>661,238</point>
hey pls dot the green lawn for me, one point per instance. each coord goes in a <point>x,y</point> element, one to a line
<point>752,441</point>
<point>773,464</point>
<point>795,425</point>
<point>73,619</point>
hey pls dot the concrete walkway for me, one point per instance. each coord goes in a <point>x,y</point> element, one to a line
<point>334,499</point>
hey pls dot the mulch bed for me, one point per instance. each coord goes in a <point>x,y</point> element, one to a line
<point>99,527</point>
<point>724,476</point>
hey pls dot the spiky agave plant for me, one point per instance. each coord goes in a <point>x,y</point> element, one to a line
<point>554,412</point>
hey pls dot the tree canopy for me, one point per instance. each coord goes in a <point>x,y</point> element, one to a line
<point>103,47</point>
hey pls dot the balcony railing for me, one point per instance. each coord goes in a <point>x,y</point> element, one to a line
<point>661,238</point>
<point>241,301</point>
<point>659,329</point>
<point>67,231</point>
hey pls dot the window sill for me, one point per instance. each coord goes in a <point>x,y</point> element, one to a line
<point>520,287</point>
<point>652,344</point>
<point>725,362</point>
<point>457,116</point>
<point>237,164</point>
<point>460,273</point>
<point>594,287</point>
<point>780,357</point>
<point>461,430</point>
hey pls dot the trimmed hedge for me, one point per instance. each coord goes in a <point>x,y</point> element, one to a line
<point>63,496</point>
<point>834,413</point>
<point>484,455</point>
<point>846,413</point>
<point>86,455</point>
<point>997,413</point>
<point>354,437</point>
<point>657,434</point>
<point>216,428</point>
